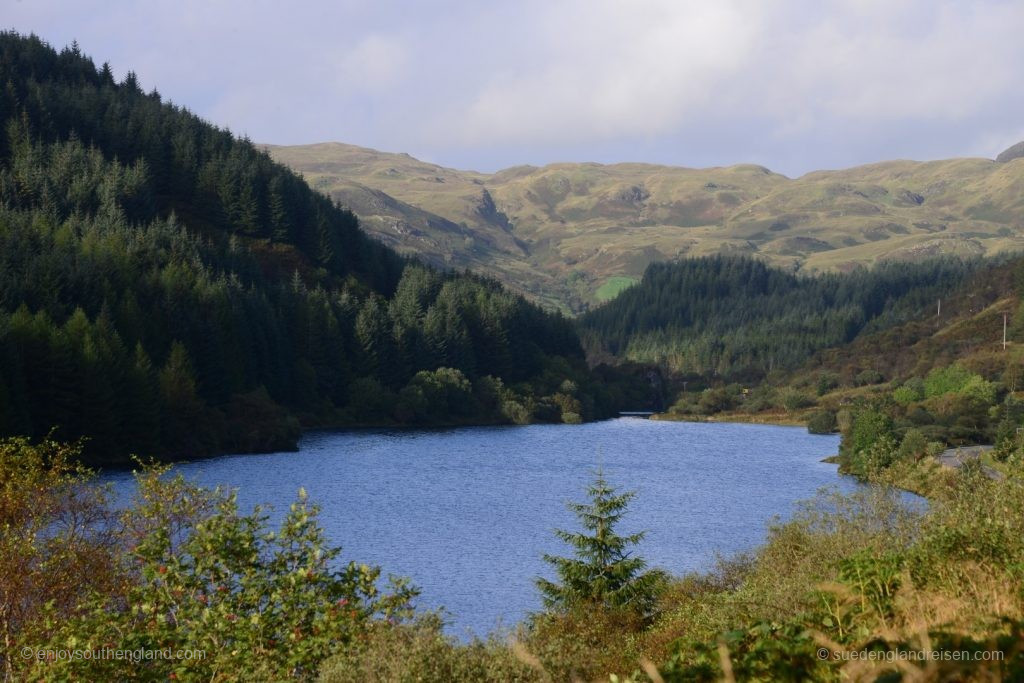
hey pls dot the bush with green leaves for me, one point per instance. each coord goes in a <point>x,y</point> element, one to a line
<point>822,422</point>
<point>947,380</point>
<point>910,391</point>
<point>860,573</point>
<point>827,381</point>
<point>869,426</point>
<point>868,377</point>
<point>420,651</point>
<point>715,400</point>
<point>55,544</point>
<point>793,399</point>
<point>980,390</point>
<point>914,445</point>
<point>436,396</point>
<point>200,576</point>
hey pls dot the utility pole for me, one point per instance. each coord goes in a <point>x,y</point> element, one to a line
<point>938,309</point>
<point>1004,331</point>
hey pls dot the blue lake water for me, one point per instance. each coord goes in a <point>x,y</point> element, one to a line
<point>467,513</point>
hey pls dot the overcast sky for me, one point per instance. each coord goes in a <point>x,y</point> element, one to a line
<point>484,84</point>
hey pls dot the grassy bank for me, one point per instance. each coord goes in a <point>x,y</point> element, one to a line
<point>771,418</point>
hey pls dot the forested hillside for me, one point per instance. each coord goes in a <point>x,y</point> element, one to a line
<point>167,289</point>
<point>738,319</point>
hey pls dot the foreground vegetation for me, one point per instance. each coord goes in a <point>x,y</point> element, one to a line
<point>181,568</point>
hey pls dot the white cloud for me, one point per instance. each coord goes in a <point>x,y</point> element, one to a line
<point>376,64</point>
<point>613,68</point>
<point>935,60</point>
<point>793,84</point>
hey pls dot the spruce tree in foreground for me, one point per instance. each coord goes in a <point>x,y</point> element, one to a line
<point>603,572</point>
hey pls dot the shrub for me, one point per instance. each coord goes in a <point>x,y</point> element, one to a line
<point>904,395</point>
<point>979,389</point>
<point>1011,416</point>
<point>516,412</point>
<point>254,423</point>
<point>261,605</point>
<point>546,410</point>
<point>869,425</point>
<point>844,420</point>
<point>584,643</point>
<point>792,399</point>
<point>822,422</point>
<point>178,569</point>
<point>867,377</point>
<point>882,453</point>
<point>488,391</point>
<point>412,406</point>
<point>370,400</point>
<point>827,381</point>
<point>920,416</point>
<point>446,392</point>
<point>54,545</point>
<point>713,401</point>
<point>569,406</point>
<point>946,380</point>
<point>761,398</point>
<point>912,390</point>
<point>420,651</point>
<point>914,445</point>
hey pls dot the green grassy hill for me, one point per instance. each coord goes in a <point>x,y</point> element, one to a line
<point>565,232</point>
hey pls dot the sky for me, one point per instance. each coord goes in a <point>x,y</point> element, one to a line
<point>794,86</point>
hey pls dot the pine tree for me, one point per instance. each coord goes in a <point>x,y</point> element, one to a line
<point>142,408</point>
<point>603,571</point>
<point>280,218</point>
<point>182,428</point>
<point>373,330</point>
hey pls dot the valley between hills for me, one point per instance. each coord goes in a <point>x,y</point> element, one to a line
<point>571,235</point>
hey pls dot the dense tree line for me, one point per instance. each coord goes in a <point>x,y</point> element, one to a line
<point>165,288</point>
<point>738,318</point>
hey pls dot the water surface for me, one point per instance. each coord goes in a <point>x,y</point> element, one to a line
<point>468,513</point>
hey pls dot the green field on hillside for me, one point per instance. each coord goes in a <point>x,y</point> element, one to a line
<point>614,286</point>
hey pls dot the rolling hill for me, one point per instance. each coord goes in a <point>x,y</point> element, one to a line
<point>571,235</point>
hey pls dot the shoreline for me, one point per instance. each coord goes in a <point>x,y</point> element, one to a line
<point>776,419</point>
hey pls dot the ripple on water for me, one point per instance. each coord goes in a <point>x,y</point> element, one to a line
<point>467,513</point>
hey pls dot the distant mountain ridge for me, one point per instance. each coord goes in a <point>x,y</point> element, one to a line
<point>570,234</point>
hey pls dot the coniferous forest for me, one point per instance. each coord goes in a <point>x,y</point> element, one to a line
<point>165,288</point>
<point>738,319</point>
